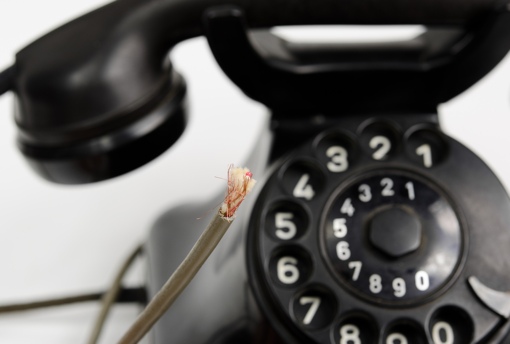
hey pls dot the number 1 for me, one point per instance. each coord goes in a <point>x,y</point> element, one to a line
<point>425,151</point>
<point>410,190</point>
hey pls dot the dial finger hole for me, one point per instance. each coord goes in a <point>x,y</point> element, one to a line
<point>426,147</point>
<point>451,325</point>
<point>355,328</point>
<point>405,331</point>
<point>314,308</point>
<point>336,151</point>
<point>379,140</point>
<point>286,220</point>
<point>290,266</point>
<point>303,180</point>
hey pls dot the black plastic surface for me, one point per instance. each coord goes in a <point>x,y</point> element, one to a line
<point>103,64</point>
<point>106,70</point>
<point>400,77</point>
<point>395,232</point>
<point>462,178</point>
<point>233,305</point>
<point>115,150</point>
<point>380,200</point>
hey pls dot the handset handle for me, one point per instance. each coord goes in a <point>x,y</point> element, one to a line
<point>86,91</point>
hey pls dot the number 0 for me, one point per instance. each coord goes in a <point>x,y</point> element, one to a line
<point>422,280</point>
<point>446,330</point>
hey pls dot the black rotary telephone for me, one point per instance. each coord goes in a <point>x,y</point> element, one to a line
<point>370,225</point>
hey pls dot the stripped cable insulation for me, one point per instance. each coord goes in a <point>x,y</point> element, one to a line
<point>240,183</point>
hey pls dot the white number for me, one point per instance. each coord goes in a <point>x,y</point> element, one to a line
<point>349,334</point>
<point>303,189</point>
<point>410,190</point>
<point>395,338</point>
<point>347,207</point>
<point>315,301</point>
<point>383,144</point>
<point>365,194</point>
<point>283,221</point>
<point>342,250</point>
<point>356,265</point>
<point>339,228</point>
<point>387,185</point>
<point>425,151</point>
<point>422,280</point>
<point>287,270</point>
<point>399,287</point>
<point>375,284</point>
<point>339,162</point>
<point>444,328</point>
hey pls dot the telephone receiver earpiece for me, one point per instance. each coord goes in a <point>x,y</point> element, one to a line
<point>97,97</point>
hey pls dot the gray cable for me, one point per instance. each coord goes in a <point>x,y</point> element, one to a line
<point>111,295</point>
<point>49,303</point>
<point>181,277</point>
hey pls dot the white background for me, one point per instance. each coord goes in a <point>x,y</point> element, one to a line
<point>60,240</point>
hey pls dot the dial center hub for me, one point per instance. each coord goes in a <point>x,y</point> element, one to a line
<point>395,231</point>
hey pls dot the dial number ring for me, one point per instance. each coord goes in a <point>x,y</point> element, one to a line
<point>388,266</point>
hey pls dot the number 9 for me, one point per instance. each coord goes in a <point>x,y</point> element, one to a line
<point>395,338</point>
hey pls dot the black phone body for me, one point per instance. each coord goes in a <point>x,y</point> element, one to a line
<point>308,263</point>
<point>368,227</point>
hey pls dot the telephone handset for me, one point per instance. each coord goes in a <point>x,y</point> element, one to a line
<point>370,225</point>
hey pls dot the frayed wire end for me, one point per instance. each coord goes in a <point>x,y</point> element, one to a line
<point>239,183</point>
